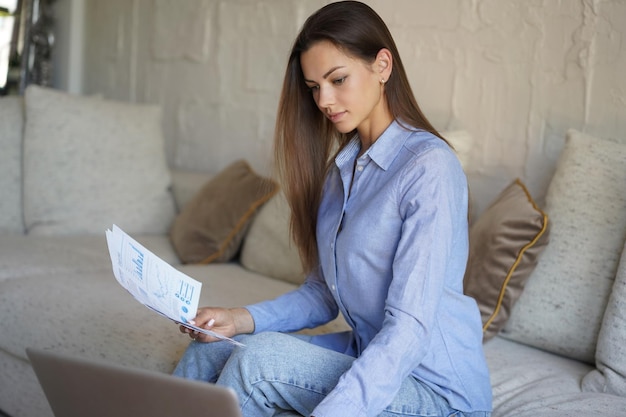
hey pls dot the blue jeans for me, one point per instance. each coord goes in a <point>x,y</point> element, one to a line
<point>285,375</point>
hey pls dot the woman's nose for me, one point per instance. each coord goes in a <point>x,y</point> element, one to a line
<point>325,97</point>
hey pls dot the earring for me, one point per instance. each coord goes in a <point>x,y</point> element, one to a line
<point>382,81</point>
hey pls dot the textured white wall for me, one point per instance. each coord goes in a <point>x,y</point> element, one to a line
<point>515,74</point>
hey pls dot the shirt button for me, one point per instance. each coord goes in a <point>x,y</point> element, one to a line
<point>359,168</point>
<point>333,287</point>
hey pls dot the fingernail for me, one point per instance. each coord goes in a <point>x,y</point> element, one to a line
<point>210,323</point>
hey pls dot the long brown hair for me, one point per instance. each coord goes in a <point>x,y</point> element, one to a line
<point>304,137</point>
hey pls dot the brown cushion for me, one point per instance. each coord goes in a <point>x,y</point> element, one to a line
<point>505,242</point>
<point>211,227</point>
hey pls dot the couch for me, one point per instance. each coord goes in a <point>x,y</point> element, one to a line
<point>550,281</point>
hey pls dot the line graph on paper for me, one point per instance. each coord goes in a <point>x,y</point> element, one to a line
<point>161,289</point>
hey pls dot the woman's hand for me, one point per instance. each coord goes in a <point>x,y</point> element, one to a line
<point>225,321</point>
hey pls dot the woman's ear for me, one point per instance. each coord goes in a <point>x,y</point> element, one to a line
<point>384,64</point>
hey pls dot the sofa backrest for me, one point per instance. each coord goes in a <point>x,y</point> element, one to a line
<point>75,165</point>
<point>90,162</point>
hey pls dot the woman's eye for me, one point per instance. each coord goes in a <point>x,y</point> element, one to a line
<point>314,88</point>
<point>339,81</point>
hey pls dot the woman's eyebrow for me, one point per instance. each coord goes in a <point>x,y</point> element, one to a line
<point>327,74</point>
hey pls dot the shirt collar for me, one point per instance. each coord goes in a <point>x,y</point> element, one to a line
<point>388,145</point>
<point>383,151</point>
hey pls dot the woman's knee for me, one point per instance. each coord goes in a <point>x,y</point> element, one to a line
<point>261,345</point>
<point>264,351</point>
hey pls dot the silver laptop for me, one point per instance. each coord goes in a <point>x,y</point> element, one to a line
<point>80,388</point>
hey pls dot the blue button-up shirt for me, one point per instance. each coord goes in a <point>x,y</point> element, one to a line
<point>393,244</point>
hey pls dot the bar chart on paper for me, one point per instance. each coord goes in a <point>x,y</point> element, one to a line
<point>137,260</point>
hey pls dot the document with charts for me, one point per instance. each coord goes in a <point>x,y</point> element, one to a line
<point>155,283</point>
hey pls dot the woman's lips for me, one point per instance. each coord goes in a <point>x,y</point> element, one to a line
<point>335,117</point>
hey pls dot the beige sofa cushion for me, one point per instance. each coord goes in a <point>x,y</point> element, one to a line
<point>505,243</point>
<point>268,248</point>
<point>211,227</point>
<point>610,375</point>
<point>89,163</point>
<point>562,306</point>
<point>11,126</point>
<point>529,382</point>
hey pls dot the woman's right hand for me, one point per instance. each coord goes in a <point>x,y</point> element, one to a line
<point>228,322</point>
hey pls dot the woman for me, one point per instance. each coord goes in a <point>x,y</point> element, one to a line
<point>382,231</point>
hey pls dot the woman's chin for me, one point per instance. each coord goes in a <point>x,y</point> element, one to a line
<point>344,128</point>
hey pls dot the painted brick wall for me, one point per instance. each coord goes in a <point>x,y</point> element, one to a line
<point>514,74</point>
